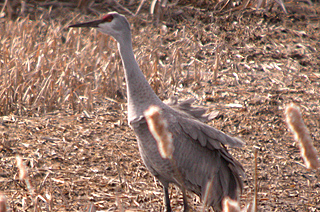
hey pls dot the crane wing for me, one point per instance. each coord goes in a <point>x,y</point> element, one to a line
<point>187,120</point>
<point>190,138</point>
<point>190,120</point>
<point>186,107</point>
<point>202,133</point>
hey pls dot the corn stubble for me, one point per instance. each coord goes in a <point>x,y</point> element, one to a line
<point>45,68</point>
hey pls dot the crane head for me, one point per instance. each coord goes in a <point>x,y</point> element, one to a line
<point>112,24</point>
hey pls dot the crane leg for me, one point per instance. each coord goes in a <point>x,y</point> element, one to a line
<point>166,199</point>
<point>185,202</point>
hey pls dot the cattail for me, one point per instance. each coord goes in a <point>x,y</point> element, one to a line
<point>159,129</point>
<point>3,204</point>
<point>206,194</point>
<point>230,205</point>
<point>23,174</point>
<point>302,135</point>
<point>22,168</point>
<point>251,207</point>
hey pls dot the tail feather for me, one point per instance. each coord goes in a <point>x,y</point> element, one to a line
<point>226,182</point>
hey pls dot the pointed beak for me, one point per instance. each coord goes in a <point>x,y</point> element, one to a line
<point>87,24</point>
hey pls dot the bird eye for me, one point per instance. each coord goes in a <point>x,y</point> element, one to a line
<point>107,18</point>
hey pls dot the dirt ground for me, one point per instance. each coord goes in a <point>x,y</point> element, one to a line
<point>83,154</point>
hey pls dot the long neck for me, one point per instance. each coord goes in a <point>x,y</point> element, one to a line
<point>140,94</point>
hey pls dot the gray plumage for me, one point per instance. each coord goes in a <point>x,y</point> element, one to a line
<point>200,152</point>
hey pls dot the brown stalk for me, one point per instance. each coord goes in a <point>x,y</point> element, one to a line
<point>176,73</point>
<point>255,180</point>
<point>44,87</point>
<point>216,67</point>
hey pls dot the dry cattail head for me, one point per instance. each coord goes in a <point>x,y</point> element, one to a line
<point>230,205</point>
<point>164,29</point>
<point>3,203</point>
<point>22,168</point>
<point>207,194</point>
<point>301,134</point>
<point>251,207</point>
<point>159,129</point>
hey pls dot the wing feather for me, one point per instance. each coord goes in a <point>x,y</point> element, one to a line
<point>186,107</point>
<point>191,119</point>
<point>205,134</point>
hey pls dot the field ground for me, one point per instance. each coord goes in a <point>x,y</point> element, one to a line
<point>63,105</point>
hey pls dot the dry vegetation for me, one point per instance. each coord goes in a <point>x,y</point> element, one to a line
<point>62,104</point>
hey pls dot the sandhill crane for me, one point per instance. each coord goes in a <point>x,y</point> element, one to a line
<point>200,152</point>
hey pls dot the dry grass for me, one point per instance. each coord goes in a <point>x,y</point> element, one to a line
<point>62,106</point>
<point>47,67</point>
<point>44,68</point>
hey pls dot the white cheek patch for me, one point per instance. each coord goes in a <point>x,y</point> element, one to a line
<point>104,28</point>
<point>104,25</point>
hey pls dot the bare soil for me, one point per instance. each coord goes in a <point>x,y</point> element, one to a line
<point>82,151</point>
